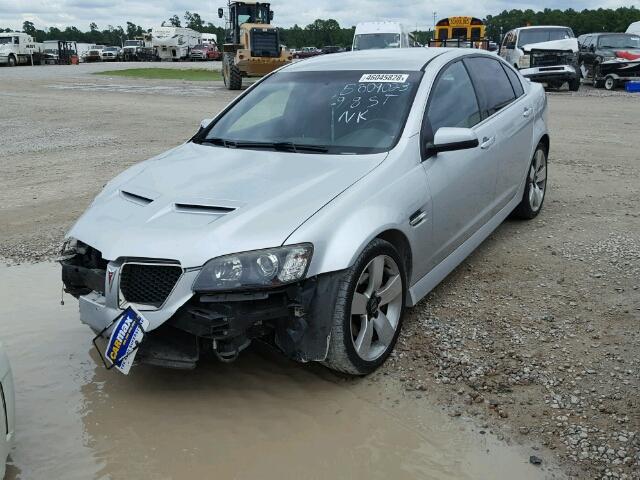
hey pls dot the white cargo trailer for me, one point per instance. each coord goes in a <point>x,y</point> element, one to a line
<point>174,43</point>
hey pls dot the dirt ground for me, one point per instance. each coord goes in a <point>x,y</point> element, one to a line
<point>535,336</point>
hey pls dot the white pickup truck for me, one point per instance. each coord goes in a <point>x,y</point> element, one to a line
<point>18,48</point>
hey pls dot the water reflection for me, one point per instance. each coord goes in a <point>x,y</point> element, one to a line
<point>261,417</point>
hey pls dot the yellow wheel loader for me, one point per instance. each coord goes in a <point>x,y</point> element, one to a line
<point>252,45</point>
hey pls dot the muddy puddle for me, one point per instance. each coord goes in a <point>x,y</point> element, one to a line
<point>262,417</point>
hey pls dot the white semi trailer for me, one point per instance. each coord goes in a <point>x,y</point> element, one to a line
<point>17,48</point>
<point>174,43</point>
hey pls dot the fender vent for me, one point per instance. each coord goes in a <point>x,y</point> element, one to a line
<point>132,197</point>
<point>203,209</point>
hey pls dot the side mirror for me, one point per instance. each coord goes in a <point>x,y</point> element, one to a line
<point>205,123</point>
<point>592,48</point>
<point>271,15</point>
<point>220,12</point>
<point>449,139</point>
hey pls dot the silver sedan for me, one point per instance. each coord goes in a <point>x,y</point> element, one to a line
<point>312,211</point>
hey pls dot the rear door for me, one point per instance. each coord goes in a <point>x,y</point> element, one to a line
<point>510,112</point>
<point>462,183</point>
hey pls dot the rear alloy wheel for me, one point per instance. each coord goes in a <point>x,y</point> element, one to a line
<point>536,188</point>
<point>368,314</point>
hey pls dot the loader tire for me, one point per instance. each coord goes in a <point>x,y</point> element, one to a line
<point>230,73</point>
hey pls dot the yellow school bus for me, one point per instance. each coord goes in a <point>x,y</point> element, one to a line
<point>460,28</point>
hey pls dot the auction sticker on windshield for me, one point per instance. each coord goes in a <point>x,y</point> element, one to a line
<point>126,337</point>
<point>384,77</point>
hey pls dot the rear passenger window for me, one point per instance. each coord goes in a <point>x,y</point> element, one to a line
<point>515,81</point>
<point>453,101</point>
<point>494,88</point>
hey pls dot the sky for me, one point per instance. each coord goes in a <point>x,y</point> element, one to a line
<point>80,13</point>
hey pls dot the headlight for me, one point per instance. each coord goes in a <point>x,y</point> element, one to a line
<point>524,61</point>
<point>272,267</point>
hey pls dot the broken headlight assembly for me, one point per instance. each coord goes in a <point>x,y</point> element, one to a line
<point>272,267</point>
<point>70,248</point>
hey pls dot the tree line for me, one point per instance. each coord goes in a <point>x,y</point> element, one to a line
<point>330,32</point>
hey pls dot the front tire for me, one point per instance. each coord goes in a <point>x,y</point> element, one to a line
<point>12,61</point>
<point>369,310</point>
<point>230,73</point>
<point>536,187</point>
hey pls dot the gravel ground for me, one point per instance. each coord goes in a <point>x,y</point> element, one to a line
<point>535,336</point>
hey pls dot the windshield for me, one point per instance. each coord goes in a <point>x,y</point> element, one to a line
<point>370,41</point>
<point>252,14</point>
<point>132,43</point>
<point>111,49</point>
<point>538,35</point>
<point>342,112</point>
<point>619,41</point>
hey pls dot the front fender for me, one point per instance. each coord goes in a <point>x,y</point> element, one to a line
<point>383,200</point>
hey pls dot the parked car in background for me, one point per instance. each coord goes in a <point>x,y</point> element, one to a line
<point>111,54</point>
<point>361,216</point>
<point>306,52</point>
<point>546,54</point>
<point>205,52</point>
<point>610,59</point>
<point>7,410</point>
<point>332,49</point>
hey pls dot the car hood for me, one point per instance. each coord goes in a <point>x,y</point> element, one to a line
<point>565,45</point>
<point>197,202</point>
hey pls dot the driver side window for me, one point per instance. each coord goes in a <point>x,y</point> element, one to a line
<point>452,102</point>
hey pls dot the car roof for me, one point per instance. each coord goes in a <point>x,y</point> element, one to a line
<point>541,26</point>
<point>390,59</point>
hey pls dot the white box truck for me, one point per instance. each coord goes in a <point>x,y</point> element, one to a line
<point>17,48</point>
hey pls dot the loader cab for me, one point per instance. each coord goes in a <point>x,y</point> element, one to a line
<point>245,12</point>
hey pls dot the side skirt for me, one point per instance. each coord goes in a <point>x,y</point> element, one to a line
<point>427,283</point>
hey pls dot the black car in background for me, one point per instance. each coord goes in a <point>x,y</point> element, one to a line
<point>609,59</point>
<point>332,49</point>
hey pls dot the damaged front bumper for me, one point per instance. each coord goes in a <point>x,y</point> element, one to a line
<point>185,326</point>
<point>551,74</point>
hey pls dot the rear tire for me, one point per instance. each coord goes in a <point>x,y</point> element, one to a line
<point>536,188</point>
<point>230,73</point>
<point>369,310</point>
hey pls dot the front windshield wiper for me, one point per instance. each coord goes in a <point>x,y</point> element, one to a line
<point>280,146</point>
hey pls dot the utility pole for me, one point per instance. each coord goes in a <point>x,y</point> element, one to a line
<point>435,15</point>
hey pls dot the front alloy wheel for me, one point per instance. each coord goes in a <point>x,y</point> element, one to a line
<point>368,314</point>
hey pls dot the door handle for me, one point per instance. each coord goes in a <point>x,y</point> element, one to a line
<point>527,112</point>
<point>487,142</point>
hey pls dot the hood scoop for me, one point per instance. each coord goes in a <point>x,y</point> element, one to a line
<point>135,198</point>
<point>202,209</point>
